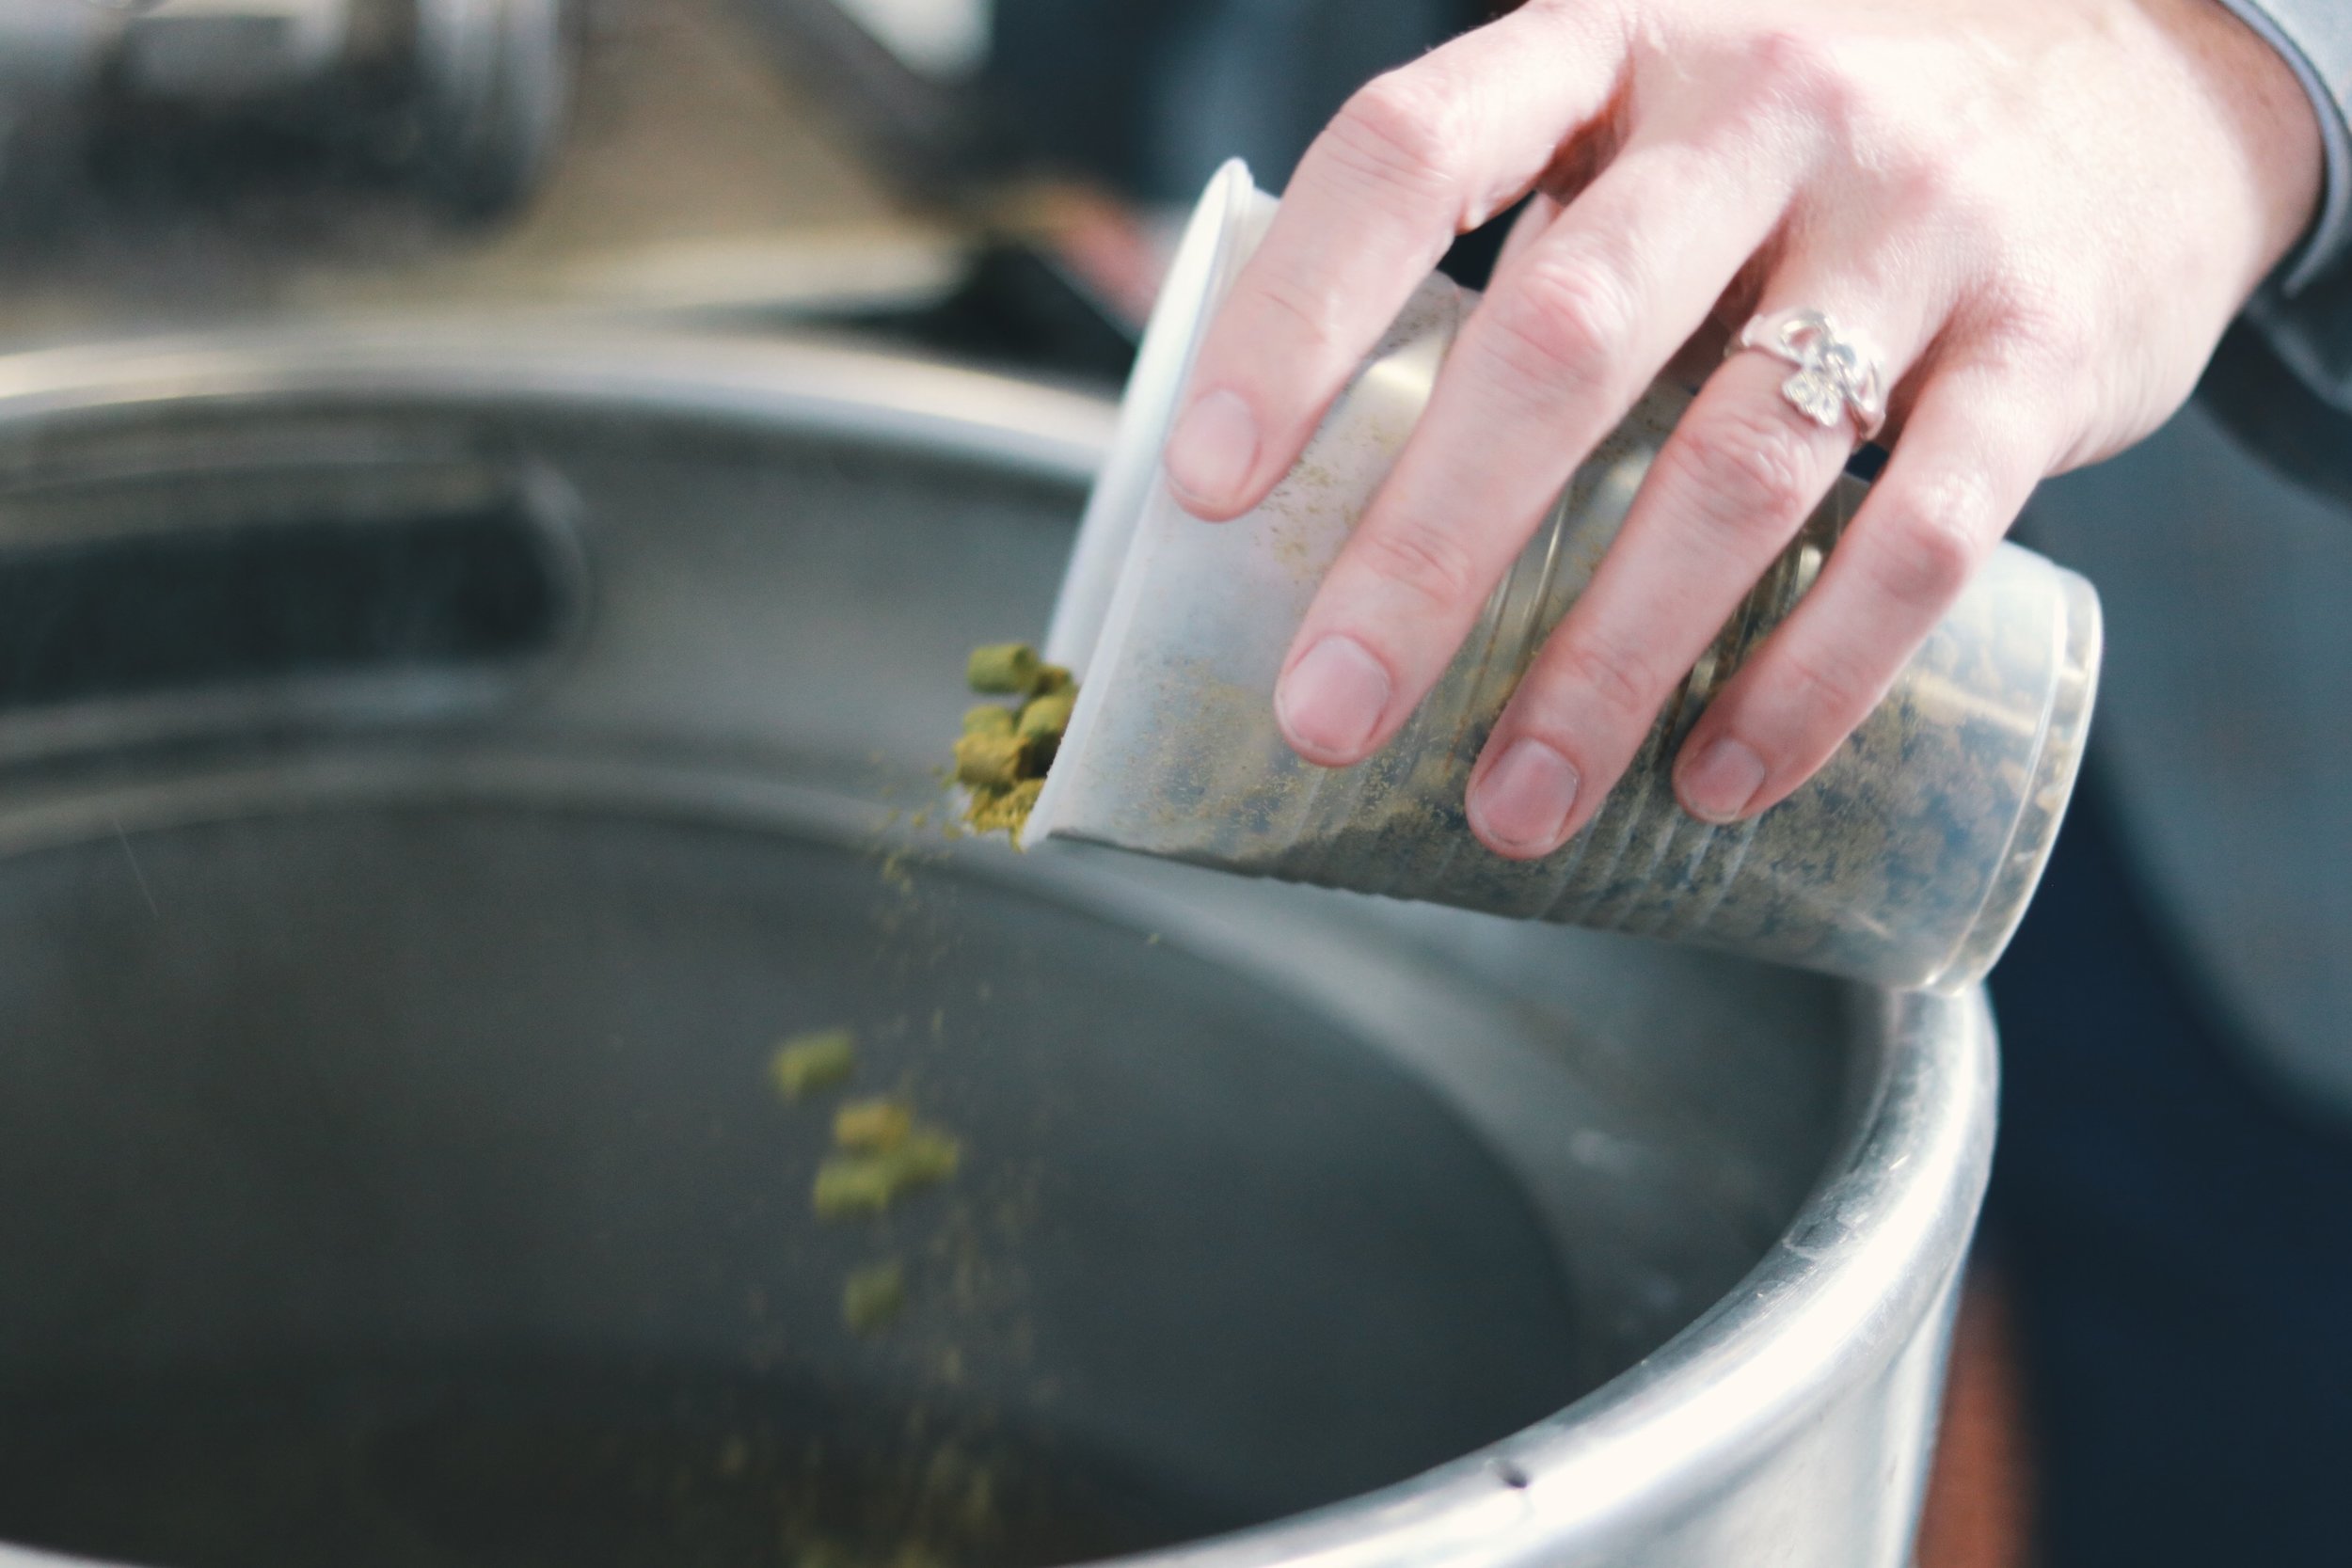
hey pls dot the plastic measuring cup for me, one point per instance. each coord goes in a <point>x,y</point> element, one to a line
<point>1907,861</point>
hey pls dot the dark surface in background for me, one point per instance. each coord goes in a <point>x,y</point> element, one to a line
<point>1076,81</point>
<point>2269,408</point>
<point>1149,96</point>
<point>1020,309</point>
<point>1470,260</point>
<point>936,139</point>
<point>1017,309</point>
<point>548,1461</point>
<point>129,616</point>
<point>2176,1243</point>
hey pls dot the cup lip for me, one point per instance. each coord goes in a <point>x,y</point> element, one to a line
<point>1129,472</point>
<point>2080,636</point>
<point>1088,612</point>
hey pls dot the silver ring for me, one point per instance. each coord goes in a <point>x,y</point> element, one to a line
<point>1835,378</point>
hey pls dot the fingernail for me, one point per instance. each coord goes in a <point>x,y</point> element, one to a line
<point>1213,450</point>
<point>1718,784</point>
<point>1524,801</point>
<point>1331,701</point>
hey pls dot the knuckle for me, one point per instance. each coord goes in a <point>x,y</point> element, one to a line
<point>1307,314</point>
<point>2042,365</point>
<point>2042,341</point>
<point>1927,184</point>
<point>1925,560</point>
<point>1801,74</point>
<point>1826,689</point>
<point>1560,325</point>
<point>1756,467</point>
<point>2063,346</point>
<point>1621,680</point>
<point>1424,561</point>
<point>1404,132</point>
<point>2036,322</point>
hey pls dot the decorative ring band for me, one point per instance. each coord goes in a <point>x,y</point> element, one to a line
<point>1835,378</point>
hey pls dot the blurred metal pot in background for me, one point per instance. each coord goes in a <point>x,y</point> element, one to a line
<point>462,99</point>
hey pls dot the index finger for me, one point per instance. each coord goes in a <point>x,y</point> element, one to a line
<point>1417,156</point>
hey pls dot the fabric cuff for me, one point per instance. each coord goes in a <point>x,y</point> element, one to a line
<point>2331,234</point>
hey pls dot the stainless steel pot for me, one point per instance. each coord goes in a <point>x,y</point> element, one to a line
<point>437,761</point>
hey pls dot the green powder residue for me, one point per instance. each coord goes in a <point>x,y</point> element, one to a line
<point>1003,810</point>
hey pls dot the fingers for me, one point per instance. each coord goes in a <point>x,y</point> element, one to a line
<point>1963,470</point>
<point>1419,155</point>
<point>1725,496</point>
<point>1526,229</point>
<point>1574,328</point>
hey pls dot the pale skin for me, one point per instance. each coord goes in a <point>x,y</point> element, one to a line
<point>2040,214</point>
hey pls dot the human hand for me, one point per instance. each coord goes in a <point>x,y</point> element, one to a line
<point>2041,215</point>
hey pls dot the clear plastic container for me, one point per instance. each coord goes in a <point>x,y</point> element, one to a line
<point>1907,861</point>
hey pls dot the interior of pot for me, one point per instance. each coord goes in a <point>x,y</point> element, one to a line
<point>411,1188</point>
<point>393,1169</point>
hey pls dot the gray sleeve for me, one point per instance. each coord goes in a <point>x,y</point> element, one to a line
<point>2315,37</point>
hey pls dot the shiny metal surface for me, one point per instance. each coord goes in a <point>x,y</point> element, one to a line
<point>1755,1188</point>
<point>465,97</point>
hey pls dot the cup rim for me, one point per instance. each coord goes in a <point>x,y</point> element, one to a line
<point>1098,585</point>
<point>1196,279</point>
<point>2080,640</point>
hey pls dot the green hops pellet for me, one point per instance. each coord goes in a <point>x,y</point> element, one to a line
<point>1003,668</point>
<point>869,1183</point>
<point>872,1126</point>
<point>850,1184</point>
<point>806,1064</point>
<point>991,761</point>
<point>989,718</point>
<point>1046,717</point>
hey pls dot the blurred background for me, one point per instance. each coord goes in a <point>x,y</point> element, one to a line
<point>991,177</point>
<point>990,182</point>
